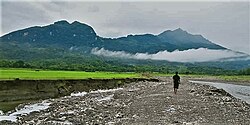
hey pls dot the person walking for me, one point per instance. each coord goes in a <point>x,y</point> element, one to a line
<point>176,79</point>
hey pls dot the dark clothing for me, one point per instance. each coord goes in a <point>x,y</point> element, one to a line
<point>176,86</point>
<point>176,79</point>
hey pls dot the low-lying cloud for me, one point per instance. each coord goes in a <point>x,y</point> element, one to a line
<point>191,55</point>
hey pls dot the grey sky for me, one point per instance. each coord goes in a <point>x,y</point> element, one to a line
<point>224,23</point>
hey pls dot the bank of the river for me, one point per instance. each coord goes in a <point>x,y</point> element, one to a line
<point>239,91</point>
<point>145,103</point>
<point>15,92</point>
<point>235,79</point>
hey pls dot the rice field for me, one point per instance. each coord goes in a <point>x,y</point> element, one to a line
<point>31,74</point>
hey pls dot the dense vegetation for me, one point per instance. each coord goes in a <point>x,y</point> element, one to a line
<point>115,66</point>
<point>245,71</point>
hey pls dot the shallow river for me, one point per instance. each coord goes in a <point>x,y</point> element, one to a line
<point>238,91</point>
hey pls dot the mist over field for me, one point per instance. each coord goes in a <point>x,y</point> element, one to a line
<point>191,55</point>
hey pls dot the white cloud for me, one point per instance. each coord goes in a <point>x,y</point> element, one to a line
<point>191,55</point>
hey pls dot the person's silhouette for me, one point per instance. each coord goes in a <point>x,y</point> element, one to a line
<point>176,79</point>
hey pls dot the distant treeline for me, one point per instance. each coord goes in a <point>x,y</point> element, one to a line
<point>245,71</point>
<point>113,66</point>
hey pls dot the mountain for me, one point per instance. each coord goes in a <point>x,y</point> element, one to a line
<point>146,43</point>
<point>67,41</point>
<point>69,46</point>
<point>48,42</point>
<point>61,34</point>
<point>81,37</point>
<point>184,40</point>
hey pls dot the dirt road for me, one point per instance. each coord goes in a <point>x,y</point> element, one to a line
<point>141,103</point>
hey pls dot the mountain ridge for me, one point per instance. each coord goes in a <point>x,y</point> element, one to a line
<point>63,39</point>
<point>83,28</point>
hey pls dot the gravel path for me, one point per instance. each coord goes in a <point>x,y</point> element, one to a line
<point>150,103</point>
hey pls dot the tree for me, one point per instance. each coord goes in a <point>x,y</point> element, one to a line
<point>18,64</point>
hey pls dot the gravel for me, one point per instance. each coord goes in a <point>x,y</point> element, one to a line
<point>144,103</point>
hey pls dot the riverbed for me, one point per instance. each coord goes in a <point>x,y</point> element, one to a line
<point>142,102</point>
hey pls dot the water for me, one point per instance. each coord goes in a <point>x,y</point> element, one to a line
<point>25,110</point>
<point>239,91</point>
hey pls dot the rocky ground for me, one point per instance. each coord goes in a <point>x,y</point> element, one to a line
<point>143,103</point>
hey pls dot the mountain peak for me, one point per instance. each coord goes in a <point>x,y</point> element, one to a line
<point>62,22</point>
<point>76,22</point>
<point>179,30</point>
<point>65,22</point>
<point>185,40</point>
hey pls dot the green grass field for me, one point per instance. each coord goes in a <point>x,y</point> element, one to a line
<point>243,78</point>
<point>8,74</point>
<point>230,78</point>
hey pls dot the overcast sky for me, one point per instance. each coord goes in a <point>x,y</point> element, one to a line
<point>225,23</point>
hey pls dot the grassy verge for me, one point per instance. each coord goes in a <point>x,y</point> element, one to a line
<point>242,78</point>
<point>231,78</point>
<point>9,74</point>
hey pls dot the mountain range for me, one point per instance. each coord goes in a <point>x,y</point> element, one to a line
<point>63,34</point>
<point>64,39</point>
